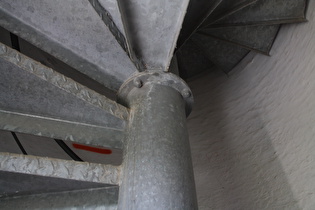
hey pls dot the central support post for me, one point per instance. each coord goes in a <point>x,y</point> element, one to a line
<point>157,167</point>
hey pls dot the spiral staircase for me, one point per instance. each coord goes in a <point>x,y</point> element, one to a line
<point>63,62</point>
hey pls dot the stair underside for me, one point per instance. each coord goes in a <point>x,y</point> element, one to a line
<point>234,29</point>
<point>101,43</point>
<point>146,36</point>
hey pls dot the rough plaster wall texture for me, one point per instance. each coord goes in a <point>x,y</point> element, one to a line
<point>253,134</point>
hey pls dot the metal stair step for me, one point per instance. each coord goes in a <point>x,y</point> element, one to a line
<point>57,168</point>
<point>191,60</point>
<point>50,61</point>
<point>258,38</point>
<point>72,32</point>
<point>224,55</point>
<point>197,12</point>
<point>97,198</point>
<point>37,100</point>
<point>30,182</point>
<point>20,184</point>
<point>267,12</point>
<point>54,148</point>
<point>226,8</point>
<point>39,146</point>
<point>8,143</point>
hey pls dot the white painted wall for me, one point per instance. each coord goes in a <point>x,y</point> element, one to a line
<point>253,134</point>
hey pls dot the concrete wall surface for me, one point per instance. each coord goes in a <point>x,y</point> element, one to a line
<point>253,133</point>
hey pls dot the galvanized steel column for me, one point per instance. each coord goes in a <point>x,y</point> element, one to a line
<point>157,168</point>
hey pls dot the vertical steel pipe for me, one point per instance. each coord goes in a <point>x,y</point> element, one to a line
<point>157,168</point>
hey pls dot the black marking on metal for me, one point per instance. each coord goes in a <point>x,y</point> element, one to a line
<point>15,42</point>
<point>69,151</point>
<point>19,143</point>
<point>108,20</point>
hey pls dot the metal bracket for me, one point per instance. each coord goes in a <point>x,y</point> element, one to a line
<point>160,78</point>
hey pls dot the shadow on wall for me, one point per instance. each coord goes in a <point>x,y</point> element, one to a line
<point>235,164</point>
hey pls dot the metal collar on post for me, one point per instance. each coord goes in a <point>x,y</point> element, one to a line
<point>156,77</point>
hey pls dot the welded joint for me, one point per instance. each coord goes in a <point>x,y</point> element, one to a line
<point>160,78</point>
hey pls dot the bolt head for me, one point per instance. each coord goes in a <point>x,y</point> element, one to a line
<point>186,93</point>
<point>137,82</point>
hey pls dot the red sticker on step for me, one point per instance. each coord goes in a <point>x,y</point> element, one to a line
<point>92,149</point>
